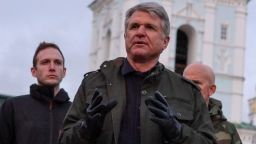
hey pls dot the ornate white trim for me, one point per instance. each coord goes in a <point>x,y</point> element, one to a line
<point>231,2</point>
<point>189,12</point>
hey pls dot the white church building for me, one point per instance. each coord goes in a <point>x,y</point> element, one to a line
<point>207,31</point>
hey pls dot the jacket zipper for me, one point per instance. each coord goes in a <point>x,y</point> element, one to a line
<point>51,121</point>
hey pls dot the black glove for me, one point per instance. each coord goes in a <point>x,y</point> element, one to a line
<point>95,111</point>
<point>164,116</point>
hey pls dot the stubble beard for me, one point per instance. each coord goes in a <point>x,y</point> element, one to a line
<point>144,58</point>
<point>49,84</point>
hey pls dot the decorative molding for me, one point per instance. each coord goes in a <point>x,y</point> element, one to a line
<point>230,93</point>
<point>98,5</point>
<point>231,2</point>
<point>189,12</point>
<point>227,45</point>
<point>167,1</point>
<point>222,59</point>
<point>233,77</point>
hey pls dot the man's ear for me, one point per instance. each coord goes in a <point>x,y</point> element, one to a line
<point>166,42</point>
<point>212,89</point>
<point>33,71</point>
<point>64,72</point>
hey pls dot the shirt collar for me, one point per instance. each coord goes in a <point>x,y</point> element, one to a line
<point>127,68</point>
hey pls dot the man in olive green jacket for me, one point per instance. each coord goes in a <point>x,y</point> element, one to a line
<point>136,100</point>
<point>204,77</point>
<point>225,131</point>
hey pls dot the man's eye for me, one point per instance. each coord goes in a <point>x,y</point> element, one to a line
<point>196,82</point>
<point>44,62</point>
<point>150,27</point>
<point>57,62</point>
<point>134,26</point>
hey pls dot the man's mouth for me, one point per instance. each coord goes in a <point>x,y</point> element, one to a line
<point>52,76</point>
<point>139,43</point>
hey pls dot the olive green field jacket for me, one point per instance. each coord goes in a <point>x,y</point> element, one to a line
<point>183,96</point>
<point>225,131</point>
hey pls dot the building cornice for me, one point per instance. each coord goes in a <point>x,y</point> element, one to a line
<point>225,75</point>
<point>231,2</point>
<point>98,5</point>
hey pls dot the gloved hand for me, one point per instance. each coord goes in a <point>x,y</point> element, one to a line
<point>164,116</point>
<point>95,111</point>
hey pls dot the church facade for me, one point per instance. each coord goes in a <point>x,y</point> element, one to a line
<point>206,31</point>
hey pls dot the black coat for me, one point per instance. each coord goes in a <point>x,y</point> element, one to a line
<point>33,119</point>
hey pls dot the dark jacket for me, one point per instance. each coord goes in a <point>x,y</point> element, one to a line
<point>225,131</point>
<point>33,119</point>
<point>183,96</point>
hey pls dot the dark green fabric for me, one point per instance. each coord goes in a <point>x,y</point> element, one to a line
<point>225,131</point>
<point>181,95</point>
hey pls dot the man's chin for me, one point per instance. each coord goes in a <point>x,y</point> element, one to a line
<point>50,83</point>
<point>140,58</point>
<point>143,58</point>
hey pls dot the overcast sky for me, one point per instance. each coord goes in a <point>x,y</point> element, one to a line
<point>25,23</point>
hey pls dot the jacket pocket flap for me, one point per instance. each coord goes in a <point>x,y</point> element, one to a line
<point>184,115</point>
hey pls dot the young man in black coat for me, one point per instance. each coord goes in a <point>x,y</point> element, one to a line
<point>36,118</point>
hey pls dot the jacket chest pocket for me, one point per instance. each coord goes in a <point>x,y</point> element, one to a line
<point>183,111</point>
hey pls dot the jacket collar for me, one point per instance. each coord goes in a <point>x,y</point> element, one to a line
<point>121,65</point>
<point>46,93</point>
<point>215,109</point>
<point>127,68</point>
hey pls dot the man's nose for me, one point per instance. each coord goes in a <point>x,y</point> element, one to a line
<point>141,31</point>
<point>52,66</point>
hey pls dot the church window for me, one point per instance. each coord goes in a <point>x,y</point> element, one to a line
<point>181,52</point>
<point>224,31</point>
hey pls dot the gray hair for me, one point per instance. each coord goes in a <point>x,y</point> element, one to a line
<point>153,9</point>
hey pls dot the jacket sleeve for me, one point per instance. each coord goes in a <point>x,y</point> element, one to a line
<point>6,123</point>
<point>235,136</point>
<point>71,130</point>
<point>200,131</point>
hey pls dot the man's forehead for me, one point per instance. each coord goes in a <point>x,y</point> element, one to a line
<point>140,19</point>
<point>49,53</point>
<point>141,12</point>
<point>49,50</point>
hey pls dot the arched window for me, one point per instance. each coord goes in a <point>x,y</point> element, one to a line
<point>181,51</point>
<point>108,45</point>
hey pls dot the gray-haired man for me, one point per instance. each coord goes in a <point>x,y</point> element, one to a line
<point>136,100</point>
